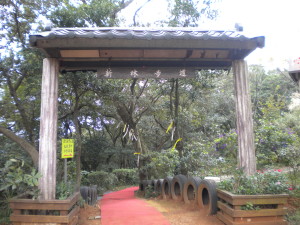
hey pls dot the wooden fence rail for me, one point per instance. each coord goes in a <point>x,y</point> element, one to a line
<point>42,212</point>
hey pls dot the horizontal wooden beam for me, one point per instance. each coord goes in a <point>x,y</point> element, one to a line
<point>80,65</point>
<point>163,54</point>
<point>145,72</point>
<point>85,43</point>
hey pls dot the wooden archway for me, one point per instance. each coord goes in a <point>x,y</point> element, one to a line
<point>140,53</point>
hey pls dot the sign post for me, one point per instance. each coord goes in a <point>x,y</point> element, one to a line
<point>67,151</point>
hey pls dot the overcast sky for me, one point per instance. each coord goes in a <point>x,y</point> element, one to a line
<point>277,20</point>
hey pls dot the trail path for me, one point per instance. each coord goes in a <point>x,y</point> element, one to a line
<point>122,208</point>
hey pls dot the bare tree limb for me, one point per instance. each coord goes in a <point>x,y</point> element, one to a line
<point>29,148</point>
<point>142,90</point>
<point>136,12</point>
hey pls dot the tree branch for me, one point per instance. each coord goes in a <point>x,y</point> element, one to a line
<point>142,90</point>
<point>136,12</point>
<point>29,148</point>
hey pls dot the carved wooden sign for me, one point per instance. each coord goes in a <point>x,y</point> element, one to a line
<point>145,72</point>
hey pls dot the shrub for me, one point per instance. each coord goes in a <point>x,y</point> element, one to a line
<point>150,193</point>
<point>290,156</point>
<point>293,217</point>
<point>126,176</point>
<point>204,160</point>
<point>262,182</point>
<point>160,164</point>
<point>64,190</point>
<point>226,144</point>
<point>17,179</point>
<point>104,180</point>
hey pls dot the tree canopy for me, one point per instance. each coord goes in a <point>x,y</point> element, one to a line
<point>113,119</point>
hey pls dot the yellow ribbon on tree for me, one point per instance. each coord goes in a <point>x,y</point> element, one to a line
<point>169,127</point>
<point>176,144</point>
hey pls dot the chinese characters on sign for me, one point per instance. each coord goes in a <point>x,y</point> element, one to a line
<point>67,148</point>
<point>146,72</point>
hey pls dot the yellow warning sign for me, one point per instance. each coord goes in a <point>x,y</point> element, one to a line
<point>67,148</point>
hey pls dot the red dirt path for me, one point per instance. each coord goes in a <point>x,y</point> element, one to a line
<point>122,208</point>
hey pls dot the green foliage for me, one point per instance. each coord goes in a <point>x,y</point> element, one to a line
<point>293,217</point>
<point>290,156</point>
<point>15,179</point>
<point>271,137</point>
<point>226,145</point>
<point>262,182</point>
<point>187,13</point>
<point>98,13</point>
<point>160,164</point>
<point>64,190</point>
<point>249,206</point>
<point>5,210</point>
<point>150,193</point>
<point>126,176</point>
<point>104,180</point>
<point>203,160</point>
<point>269,85</point>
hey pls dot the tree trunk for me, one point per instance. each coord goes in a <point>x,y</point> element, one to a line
<point>48,129</point>
<point>29,148</point>
<point>78,149</point>
<point>179,145</point>
<point>25,119</point>
<point>246,152</point>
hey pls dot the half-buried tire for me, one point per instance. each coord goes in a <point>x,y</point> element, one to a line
<point>158,186</point>
<point>207,196</point>
<point>190,190</point>
<point>144,184</point>
<point>166,188</point>
<point>177,187</point>
<point>152,184</point>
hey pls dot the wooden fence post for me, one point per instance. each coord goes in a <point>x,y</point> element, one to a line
<point>48,129</point>
<point>246,150</point>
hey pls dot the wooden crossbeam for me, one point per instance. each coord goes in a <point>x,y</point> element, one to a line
<point>145,72</point>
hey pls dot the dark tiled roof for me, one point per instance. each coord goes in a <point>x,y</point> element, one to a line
<point>141,33</point>
<point>91,48</point>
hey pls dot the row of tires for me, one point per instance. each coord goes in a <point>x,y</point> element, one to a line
<point>191,190</point>
<point>89,194</point>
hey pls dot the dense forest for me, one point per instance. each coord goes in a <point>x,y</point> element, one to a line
<point>184,125</point>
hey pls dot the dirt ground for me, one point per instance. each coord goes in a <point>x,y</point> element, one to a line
<point>177,213</point>
<point>87,215</point>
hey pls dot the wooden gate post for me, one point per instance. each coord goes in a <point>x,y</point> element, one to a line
<point>246,148</point>
<point>48,129</point>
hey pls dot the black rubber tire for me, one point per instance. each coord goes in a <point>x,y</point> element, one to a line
<point>207,196</point>
<point>190,190</point>
<point>93,193</point>
<point>153,184</point>
<point>143,184</point>
<point>177,187</point>
<point>166,188</point>
<point>158,186</point>
<point>84,191</point>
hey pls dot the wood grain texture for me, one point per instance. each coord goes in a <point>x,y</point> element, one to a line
<point>232,215</point>
<point>68,211</point>
<point>246,152</point>
<point>48,129</point>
